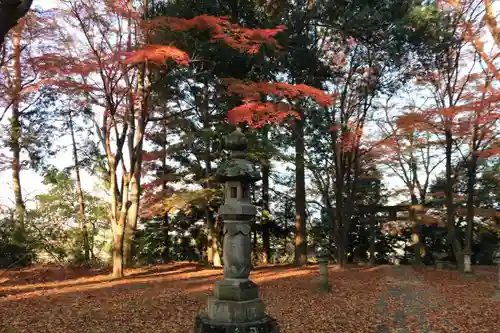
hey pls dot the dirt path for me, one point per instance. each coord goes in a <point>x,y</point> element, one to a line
<point>413,304</point>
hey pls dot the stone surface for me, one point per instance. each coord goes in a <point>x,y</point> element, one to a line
<point>467,263</point>
<point>203,324</point>
<point>237,250</point>
<point>324,284</point>
<point>413,304</point>
<point>235,311</point>
<point>237,168</point>
<point>236,290</point>
<point>238,210</point>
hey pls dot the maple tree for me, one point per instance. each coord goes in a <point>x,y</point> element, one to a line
<point>413,157</point>
<point>345,155</point>
<point>465,114</point>
<point>122,87</point>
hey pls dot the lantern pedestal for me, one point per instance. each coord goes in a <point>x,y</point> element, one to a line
<point>220,310</point>
<point>203,324</point>
<point>467,262</point>
<point>235,307</point>
<point>236,290</point>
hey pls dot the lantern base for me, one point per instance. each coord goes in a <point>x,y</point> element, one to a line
<point>235,311</point>
<point>203,324</point>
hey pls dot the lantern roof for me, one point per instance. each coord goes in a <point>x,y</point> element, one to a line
<point>237,167</point>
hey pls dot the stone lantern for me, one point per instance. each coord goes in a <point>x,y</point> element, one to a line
<point>467,262</point>
<point>322,258</point>
<point>236,305</point>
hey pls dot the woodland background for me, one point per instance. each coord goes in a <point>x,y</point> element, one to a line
<point>345,103</point>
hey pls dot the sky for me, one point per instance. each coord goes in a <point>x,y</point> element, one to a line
<point>32,183</point>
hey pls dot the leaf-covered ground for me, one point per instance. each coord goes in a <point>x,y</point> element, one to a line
<point>166,299</point>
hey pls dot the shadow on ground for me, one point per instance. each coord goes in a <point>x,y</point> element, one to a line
<point>166,298</point>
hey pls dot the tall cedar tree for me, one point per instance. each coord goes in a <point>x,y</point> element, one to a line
<point>197,95</point>
<point>257,110</point>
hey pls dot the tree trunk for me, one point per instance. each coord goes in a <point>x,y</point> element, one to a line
<point>331,231</point>
<point>471,182</point>
<point>265,222</point>
<point>166,240</point>
<point>339,204</point>
<point>166,224</point>
<point>119,231</point>
<point>416,233</point>
<point>255,255</point>
<point>300,196</point>
<point>450,207</point>
<point>217,249</point>
<point>81,201</point>
<point>210,250</point>
<point>213,252</point>
<point>135,141</point>
<point>132,217</point>
<point>15,138</point>
<point>10,14</point>
<point>372,241</point>
<point>118,252</point>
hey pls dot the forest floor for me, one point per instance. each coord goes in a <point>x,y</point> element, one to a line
<point>166,299</point>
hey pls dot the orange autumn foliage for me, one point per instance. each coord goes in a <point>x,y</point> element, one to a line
<point>231,34</point>
<point>349,137</point>
<point>257,113</point>
<point>485,108</point>
<point>157,54</point>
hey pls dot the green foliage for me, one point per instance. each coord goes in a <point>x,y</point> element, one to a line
<point>17,247</point>
<point>186,239</point>
<point>56,222</point>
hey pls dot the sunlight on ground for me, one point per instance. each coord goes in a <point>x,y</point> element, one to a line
<point>166,298</point>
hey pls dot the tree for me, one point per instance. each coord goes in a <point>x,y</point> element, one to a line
<point>413,157</point>
<point>21,97</point>
<point>56,221</point>
<point>463,115</point>
<point>119,88</point>
<point>485,117</point>
<point>11,11</point>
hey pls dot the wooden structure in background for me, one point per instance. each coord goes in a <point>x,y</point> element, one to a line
<point>415,213</point>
